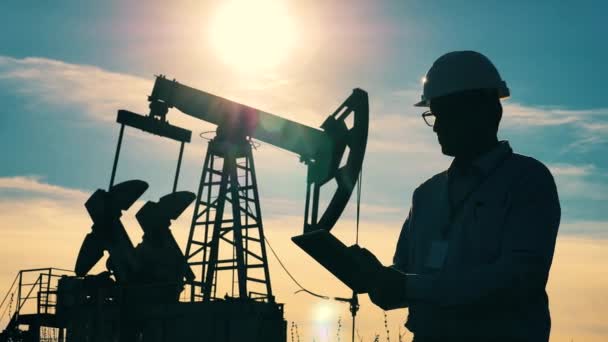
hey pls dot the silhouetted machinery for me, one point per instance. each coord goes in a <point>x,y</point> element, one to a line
<point>138,297</point>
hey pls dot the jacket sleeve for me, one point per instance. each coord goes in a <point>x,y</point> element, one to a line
<point>401,256</point>
<point>522,270</point>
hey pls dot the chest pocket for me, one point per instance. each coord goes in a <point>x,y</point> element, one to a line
<point>484,226</point>
<point>426,226</point>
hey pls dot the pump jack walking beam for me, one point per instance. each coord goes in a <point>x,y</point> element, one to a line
<point>321,149</point>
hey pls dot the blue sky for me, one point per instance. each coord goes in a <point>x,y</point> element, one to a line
<point>66,67</point>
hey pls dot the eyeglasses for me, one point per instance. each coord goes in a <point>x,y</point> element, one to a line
<point>429,118</point>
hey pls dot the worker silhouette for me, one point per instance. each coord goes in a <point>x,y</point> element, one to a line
<point>474,253</point>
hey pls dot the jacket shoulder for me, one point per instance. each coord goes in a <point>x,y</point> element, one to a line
<point>431,184</point>
<point>530,167</point>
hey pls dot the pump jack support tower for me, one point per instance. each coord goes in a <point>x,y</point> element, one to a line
<point>228,210</point>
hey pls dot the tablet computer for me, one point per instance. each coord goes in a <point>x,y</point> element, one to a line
<point>354,266</point>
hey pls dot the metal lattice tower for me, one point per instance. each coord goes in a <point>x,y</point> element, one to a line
<point>226,246</point>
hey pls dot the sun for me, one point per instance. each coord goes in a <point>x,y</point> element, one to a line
<point>252,35</point>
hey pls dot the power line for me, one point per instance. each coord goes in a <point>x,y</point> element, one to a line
<point>302,288</point>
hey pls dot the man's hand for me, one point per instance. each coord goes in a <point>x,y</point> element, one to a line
<point>388,290</point>
<point>368,263</point>
<point>367,267</point>
<point>386,285</point>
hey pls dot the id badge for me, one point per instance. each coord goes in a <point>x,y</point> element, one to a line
<point>437,254</point>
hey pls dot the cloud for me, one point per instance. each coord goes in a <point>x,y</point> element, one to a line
<point>595,134</point>
<point>597,127</point>
<point>94,92</point>
<point>571,170</point>
<point>591,125</point>
<point>585,229</point>
<point>518,114</point>
<point>397,133</point>
<point>584,181</point>
<point>33,184</point>
<point>580,181</point>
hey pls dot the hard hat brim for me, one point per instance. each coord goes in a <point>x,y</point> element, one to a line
<point>423,103</point>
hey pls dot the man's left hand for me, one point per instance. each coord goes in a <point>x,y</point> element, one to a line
<point>389,291</point>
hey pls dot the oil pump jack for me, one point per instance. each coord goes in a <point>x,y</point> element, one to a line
<point>136,299</point>
<point>333,153</point>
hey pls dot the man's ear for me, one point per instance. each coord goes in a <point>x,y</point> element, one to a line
<point>498,113</point>
<point>493,108</point>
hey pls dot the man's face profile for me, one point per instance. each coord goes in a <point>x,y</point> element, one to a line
<point>462,122</point>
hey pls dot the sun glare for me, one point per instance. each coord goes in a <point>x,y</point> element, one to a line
<point>252,35</point>
<point>323,312</point>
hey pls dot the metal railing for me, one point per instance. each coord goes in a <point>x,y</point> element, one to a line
<point>33,291</point>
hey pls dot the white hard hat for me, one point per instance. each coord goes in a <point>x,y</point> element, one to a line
<point>459,71</point>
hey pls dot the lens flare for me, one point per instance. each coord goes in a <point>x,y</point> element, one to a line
<point>324,317</point>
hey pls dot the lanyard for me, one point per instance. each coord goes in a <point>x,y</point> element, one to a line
<point>456,209</point>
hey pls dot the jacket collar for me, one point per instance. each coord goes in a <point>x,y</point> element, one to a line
<point>485,163</point>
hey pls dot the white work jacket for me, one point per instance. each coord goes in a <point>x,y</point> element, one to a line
<point>488,278</point>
